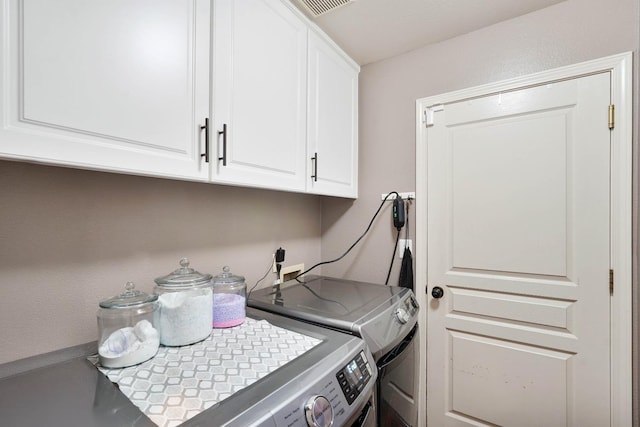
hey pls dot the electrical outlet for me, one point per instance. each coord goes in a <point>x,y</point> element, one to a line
<point>291,271</point>
<point>403,243</point>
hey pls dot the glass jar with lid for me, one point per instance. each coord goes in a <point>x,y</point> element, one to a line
<point>229,299</point>
<point>186,305</point>
<point>127,328</point>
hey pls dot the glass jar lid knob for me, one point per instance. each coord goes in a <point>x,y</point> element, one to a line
<point>130,297</point>
<point>129,288</point>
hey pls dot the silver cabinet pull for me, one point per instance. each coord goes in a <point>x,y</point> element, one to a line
<point>223,132</point>
<point>314,159</point>
<point>206,140</point>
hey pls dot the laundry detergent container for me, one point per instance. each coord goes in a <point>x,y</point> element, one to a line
<point>229,299</point>
<point>185,297</point>
<point>127,328</point>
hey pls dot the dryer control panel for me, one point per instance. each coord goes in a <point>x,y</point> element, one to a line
<point>354,377</point>
<point>335,391</point>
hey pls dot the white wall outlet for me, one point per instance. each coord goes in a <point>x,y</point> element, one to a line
<point>403,243</point>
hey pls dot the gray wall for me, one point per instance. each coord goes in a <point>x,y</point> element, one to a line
<point>569,32</point>
<point>71,238</point>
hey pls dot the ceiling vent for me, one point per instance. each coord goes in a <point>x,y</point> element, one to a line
<point>320,7</point>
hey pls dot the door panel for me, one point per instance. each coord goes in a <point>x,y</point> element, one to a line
<point>260,80</point>
<point>518,236</point>
<point>524,309</point>
<point>523,397</point>
<point>519,205</point>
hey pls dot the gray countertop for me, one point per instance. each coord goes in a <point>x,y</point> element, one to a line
<point>66,394</point>
<point>74,392</point>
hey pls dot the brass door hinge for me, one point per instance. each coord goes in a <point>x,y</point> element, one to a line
<point>612,118</point>
<point>611,282</point>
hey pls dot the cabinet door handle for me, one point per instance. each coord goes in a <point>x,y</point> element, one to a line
<point>314,159</point>
<point>206,140</point>
<point>223,132</point>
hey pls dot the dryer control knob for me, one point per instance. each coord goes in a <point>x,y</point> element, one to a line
<point>402,315</point>
<point>318,412</point>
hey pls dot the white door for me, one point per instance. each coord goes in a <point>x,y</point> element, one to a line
<point>518,239</point>
<point>117,85</point>
<point>259,94</point>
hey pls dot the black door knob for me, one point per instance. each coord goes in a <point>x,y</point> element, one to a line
<point>437,292</point>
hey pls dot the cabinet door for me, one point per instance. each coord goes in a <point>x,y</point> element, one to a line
<point>333,121</point>
<point>119,85</point>
<point>259,93</point>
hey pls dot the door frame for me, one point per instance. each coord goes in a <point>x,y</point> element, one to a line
<point>620,68</point>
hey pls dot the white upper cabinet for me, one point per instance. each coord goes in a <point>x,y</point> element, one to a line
<point>114,85</point>
<point>246,93</point>
<point>333,120</point>
<point>260,87</point>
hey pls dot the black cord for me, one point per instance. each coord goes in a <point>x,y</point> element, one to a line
<point>393,257</point>
<point>354,243</point>
<point>346,310</point>
<point>265,275</point>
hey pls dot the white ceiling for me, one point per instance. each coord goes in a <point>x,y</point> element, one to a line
<point>371,30</point>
